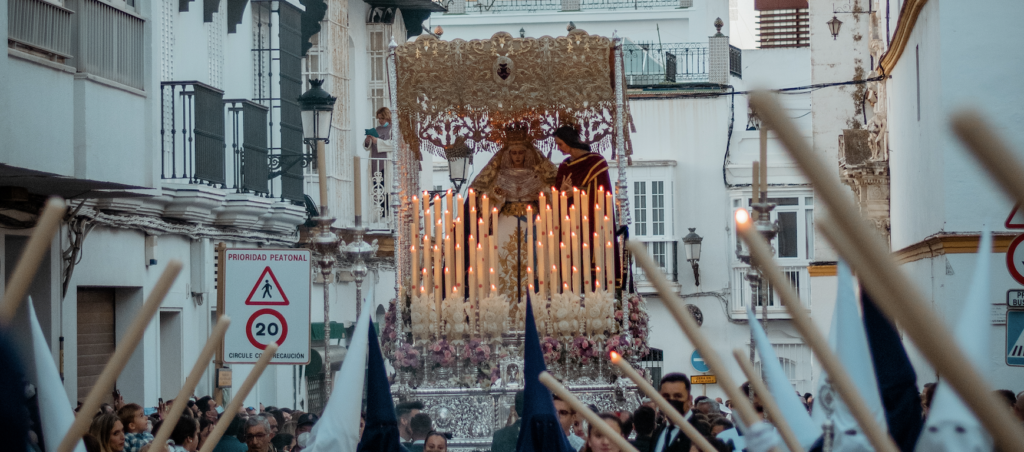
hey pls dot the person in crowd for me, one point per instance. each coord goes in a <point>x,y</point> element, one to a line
<point>436,442</point>
<point>675,387</point>
<point>643,422</point>
<point>208,408</point>
<point>272,421</point>
<point>720,425</point>
<point>405,411</point>
<point>283,442</point>
<point>566,417</point>
<point>754,399</point>
<point>135,422</point>
<point>91,443</point>
<point>504,440</point>
<point>305,423</point>
<point>597,441</point>
<point>109,431</point>
<point>421,425</point>
<point>185,436</point>
<point>278,421</point>
<point>362,423</point>
<point>230,442</point>
<point>627,422</point>
<point>289,427</point>
<point>205,427</point>
<point>257,435</point>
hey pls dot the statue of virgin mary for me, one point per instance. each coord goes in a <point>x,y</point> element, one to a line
<point>515,176</point>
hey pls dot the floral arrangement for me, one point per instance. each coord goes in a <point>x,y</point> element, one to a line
<point>618,344</point>
<point>565,313</point>
<point>389,334</point>
<point>639,327</point>
<point>583,349</point>
<point>598,312</point>
<point>442,354</point>
<point>423,311</point>
<point>552,350</point>
<point>453,312</point>
<point>494,316</point>
<point>476,352</point>
<point>407,357</point>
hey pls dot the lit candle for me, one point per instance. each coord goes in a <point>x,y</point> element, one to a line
<point>427,259</point>
<point>585,240</point>
<point>598,251</point>
<point>483,242</point>
<point>437,277</point>
<point>609,266</point>
<point>563,213</point>
<point>552,258</point>
<point>586,267</point>
<point>564,265</point>
<point>460,275</point>
<point>415,265</point>
<point>575,263</point>
<point>481,273</point>
<point>494,246</point>
<point>449,203</point>
<point>416,218</point>
<point>541,269</point>
<point>447,278</point>
<point>471,284</point>
<point>529,246</point>
<point>483,214</point>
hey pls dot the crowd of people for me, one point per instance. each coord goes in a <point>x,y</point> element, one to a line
<point>128,427</point>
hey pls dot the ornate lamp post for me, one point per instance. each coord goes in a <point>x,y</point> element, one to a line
<point>317,111</point>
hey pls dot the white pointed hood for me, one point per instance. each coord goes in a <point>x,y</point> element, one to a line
<point>850,343</point>
<point>951,426</point>
<point>338,428</point>
<point>807,432</point>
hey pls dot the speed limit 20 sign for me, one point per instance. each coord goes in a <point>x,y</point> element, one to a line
<point>266,294</point>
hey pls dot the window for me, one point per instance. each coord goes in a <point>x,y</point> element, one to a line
<point>640,208</point>
<point>658,207</point>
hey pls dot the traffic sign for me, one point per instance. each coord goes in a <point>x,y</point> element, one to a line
<point>266,292</point>
<point>1015,338</point>
<point>698,362</point>
<point>1016,218</point>
<point>1015,298</point>
<point>1015,259</point>
<point>703,380</point>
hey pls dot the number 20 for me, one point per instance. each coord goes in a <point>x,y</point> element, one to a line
<point>270,328</point>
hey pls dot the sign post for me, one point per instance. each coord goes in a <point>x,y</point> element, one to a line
<point>698,362</point>
<point>269,290</point>
<point>1015,338</point>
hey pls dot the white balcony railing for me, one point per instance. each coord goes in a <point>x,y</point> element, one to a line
<point>40,25</point>
<point>110,43</point>
<point>379,215</point>
<point>741,298</point>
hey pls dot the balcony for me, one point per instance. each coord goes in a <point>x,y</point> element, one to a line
<point>110,42</point>
<point>529,6</point>
<point>741,296</point>
<point>222,143</point>
<point>40,27</point>
<point>654,64</point>
<point>380,216</point>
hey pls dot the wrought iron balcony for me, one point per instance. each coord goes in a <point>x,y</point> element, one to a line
<point>380,212</point>
<point>654,64</point>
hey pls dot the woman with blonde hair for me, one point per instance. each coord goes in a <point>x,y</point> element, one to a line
<point>109,431</point>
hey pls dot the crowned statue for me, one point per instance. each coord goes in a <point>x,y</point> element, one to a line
<point>515,175</point>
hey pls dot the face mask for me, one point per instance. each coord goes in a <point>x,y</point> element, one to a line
<point>387,124</point>
<point>301,440</point>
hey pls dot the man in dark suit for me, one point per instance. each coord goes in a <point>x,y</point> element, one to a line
<point>643,421</point>
<point>505,439</point>
<point>675,387</point>
<point>421,425</point>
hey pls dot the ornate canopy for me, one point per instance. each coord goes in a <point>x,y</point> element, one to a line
<point>477,89</point>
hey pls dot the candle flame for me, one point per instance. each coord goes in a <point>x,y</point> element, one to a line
<point>614,356</point>
<point>573,269</point>
<point>553,268</point>
<point>484,196</point>
<point>742,216</point>
<point>548,207</point>
<point>540,244</point>
<point>494,209</point>
<point>492,269</point>
<point>529,208</point>
<point>412,248</point>
<point>598,267</point>
<point>480,220</point>
<point>585,218</point>
<point>584,245</point>
<point>471,269</point>
<point>423,289</point>
<point>560,244</point>
<point>597,285</point>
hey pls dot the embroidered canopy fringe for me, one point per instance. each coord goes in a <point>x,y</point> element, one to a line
<point>479,89</point>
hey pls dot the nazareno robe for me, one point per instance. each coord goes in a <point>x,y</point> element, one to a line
<point>588,172</point>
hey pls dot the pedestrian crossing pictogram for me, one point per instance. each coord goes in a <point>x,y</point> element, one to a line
<point>1015,338</point>
<point>267,291</point>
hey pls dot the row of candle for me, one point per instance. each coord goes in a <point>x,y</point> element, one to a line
<point>563,251</point>
<point>569,256</point>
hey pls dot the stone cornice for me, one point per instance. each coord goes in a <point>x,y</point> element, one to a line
<point>904,27</point>
<point>940,244</point>
<point>159,226</point>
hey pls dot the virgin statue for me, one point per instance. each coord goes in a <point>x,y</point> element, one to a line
<point>515,176</point>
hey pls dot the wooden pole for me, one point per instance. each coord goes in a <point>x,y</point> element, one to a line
<point>591,417</point>
<point>125,347</point>
<point>212,344</point>
<point>232,408</point>
<point>218,360</point>
<point>768,401</point>
<point>761,255</point>
<point>675,305</point>
<point>46,226</point>
<point>991,150</point>
<point>898,297</point>
<point>688,429</point>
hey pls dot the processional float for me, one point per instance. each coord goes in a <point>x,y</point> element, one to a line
<point>465,265</point>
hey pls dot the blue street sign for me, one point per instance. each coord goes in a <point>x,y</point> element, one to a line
<point>698,362</point>
<point>1015,338</point>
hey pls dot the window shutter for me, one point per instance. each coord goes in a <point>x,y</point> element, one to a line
<point>291,89</point>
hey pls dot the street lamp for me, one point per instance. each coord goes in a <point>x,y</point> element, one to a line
<point>458,156</point>
<point>691,244</point>
<point>317,111</point>
<point>833,26</point>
